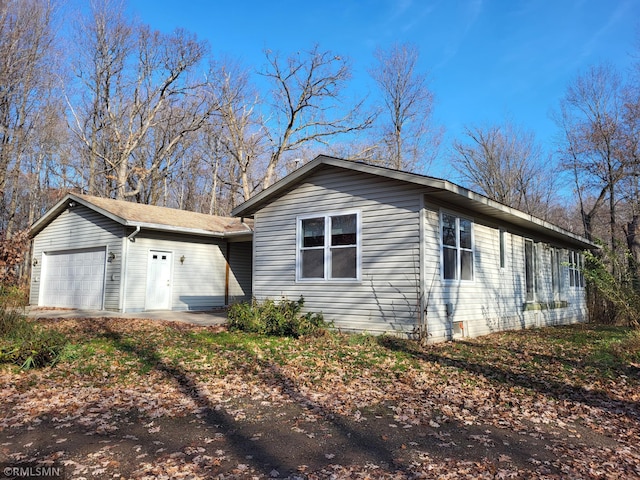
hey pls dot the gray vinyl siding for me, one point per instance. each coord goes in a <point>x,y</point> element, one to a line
<point>79,228</point>
<point>197,284</point>
<point>495,300</point>
<point>386,297</point>
<point>240,271</point>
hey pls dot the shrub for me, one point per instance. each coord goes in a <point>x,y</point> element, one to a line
<point>618,293</point>
<point>26,344</point>
<point>283,318</point>
<point>13,296</point>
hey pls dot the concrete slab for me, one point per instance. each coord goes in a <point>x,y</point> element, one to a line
<point>203,318</point>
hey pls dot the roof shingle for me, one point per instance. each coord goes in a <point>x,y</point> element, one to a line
<point>137,213</point>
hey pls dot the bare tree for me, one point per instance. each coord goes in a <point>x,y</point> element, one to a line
<point>241,133</point>
<point>590,120</point>
<point>408,137</point>
<point>307,104</point>
<point>103,42</point>
<point>630,184</point>
<point>506,164</point>
<point>27,68</point>
<point>141,86</point>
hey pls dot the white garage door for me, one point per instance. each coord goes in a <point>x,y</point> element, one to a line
<point>73,279</point>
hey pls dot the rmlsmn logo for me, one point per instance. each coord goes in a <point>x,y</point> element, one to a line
<point>32,472</point>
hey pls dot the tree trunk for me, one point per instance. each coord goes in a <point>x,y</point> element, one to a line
<point>633,244</point>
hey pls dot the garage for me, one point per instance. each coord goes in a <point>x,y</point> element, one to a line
<point>98,254</point>
<point>73,278</point>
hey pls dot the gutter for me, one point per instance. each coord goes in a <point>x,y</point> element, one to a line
<point>131,237</point>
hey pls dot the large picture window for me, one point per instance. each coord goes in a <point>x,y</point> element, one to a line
<point>457,248</point>
<point>328,247</point>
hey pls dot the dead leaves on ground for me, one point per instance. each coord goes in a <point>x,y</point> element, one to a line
<point>537,384</point>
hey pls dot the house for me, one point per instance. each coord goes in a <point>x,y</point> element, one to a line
<point>386,251</point>
<point>96,253</point>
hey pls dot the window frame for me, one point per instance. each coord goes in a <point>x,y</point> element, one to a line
<point>557,273</point>
<point>502,234</point>
<point>530,271</point>
<point>327,247</point>
<point>576,264</point>
<point>458,248</point>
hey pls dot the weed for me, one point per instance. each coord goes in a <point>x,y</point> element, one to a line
<point>26,344</point>
<point>627,349</point>
<point>13,296</point>
<point>12,323</point>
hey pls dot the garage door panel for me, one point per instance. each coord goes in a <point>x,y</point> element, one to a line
<point>74,278</point>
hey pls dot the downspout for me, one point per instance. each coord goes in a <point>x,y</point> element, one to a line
<point>422,300</point>
<point>131,237</point>
<point>125,264</point>
<point>226,276</point>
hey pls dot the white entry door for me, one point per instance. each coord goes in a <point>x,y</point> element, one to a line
<point>159,281</point>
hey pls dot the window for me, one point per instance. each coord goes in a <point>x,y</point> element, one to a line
<point>530,269</point>
<point>502,249</point>
<point>457,248</point>
<point>328,247</point>
<point>576,264</point>
<point>556,273</point>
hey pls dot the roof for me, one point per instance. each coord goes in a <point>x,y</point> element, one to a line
<point>438,189</point>
<point>150,217</point>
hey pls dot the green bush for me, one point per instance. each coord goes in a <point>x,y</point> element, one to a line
<point>619,293</point>
<point>282,319</point>
<point>26,344</point>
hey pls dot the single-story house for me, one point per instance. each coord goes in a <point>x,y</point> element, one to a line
<point>386,251</point>
<point>97,253</point>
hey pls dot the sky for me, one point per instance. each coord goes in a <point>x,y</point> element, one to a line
<point>487,61</point>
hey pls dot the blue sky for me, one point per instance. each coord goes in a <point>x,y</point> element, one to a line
<point>488,61</point>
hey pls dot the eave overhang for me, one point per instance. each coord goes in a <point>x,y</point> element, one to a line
<point>68,200</point>
<point>442,191</point>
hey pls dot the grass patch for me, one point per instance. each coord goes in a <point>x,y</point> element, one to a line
<point>26,344</point>
<point>551,359</point>
<point>626,349</point>
<point>547,382</point>
<point>563,356</point>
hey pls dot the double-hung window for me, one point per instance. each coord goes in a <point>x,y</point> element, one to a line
<point>576,277</point>
<point>457,247</point>
<point>556,273</point>
<point>329,247</point>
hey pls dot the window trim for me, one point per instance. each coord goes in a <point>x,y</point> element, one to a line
<point>327,246</point>
<point>576,264</point>
<point>458,249</point>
